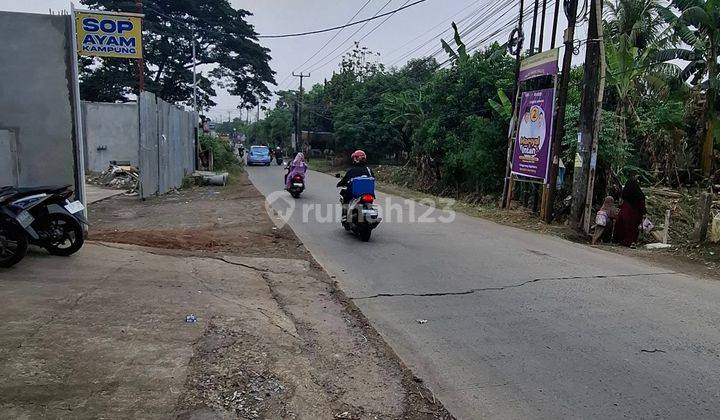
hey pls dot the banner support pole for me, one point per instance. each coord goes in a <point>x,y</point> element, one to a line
<point>79,134</point>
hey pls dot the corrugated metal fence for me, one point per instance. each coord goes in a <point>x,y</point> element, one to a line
<point>167,145</point>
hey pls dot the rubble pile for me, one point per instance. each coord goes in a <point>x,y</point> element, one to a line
<point>121,177</point>
<point>682,204</point>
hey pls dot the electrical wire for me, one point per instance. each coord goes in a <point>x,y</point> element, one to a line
<point>492,15</point>
<point>434,38</point>
<point>349,37</point>
<point>326,44</point>
<point>443,22</point>
<point>319,31</point>
<point>355,42</point>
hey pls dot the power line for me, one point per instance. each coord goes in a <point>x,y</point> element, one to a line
<point>327,43</point>
<point>443,22</point>
<point>319,31</point>
<point>349,38</point>
<point>434,38</point>
<point>495,8</point>
<point>362,38</point>
<point>490,15</point>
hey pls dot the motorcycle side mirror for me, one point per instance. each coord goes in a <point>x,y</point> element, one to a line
<point>338,176</point>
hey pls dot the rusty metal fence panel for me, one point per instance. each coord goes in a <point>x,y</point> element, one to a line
<point>167,145</point>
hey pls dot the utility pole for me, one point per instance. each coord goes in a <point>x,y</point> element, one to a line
<point>559,131</point>
<point>298,124</point>
<point>590,112</point>
<point>556,14</point>
<point>508,182</point>
<point>194,58</point>
<point>534,27</point>
<point>295,125</point>
<point>140,61</point>
<point>542,26</point>
<point>195,103</point>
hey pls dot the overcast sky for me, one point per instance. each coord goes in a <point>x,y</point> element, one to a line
<point>397,40</point>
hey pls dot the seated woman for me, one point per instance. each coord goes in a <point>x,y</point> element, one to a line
<point>296,167</point>
<point>632,210</point>
<point>605,221</point>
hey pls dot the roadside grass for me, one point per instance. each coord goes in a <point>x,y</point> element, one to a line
<point>235,173</point>
<point>322,165</point>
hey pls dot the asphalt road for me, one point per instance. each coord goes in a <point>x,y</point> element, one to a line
<point>520,325</point>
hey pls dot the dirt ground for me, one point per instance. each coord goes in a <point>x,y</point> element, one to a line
<point>313,356</point>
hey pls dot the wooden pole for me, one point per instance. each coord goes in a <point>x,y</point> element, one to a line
<point>666,231</point>
<point>141,60</point>
<point>562,93</point>
<point>590,119</point>
<point>542,26</point>
<point>508,182</point>
<point>702,218</point>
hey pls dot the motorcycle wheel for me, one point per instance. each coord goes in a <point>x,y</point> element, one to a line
<point>295,194</point>
<point>364,233</point>
<point>65,235</point>
<point>13,245</point>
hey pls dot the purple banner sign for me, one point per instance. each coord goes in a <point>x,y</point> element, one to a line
<point>540,64</point>
<point>531,154</point>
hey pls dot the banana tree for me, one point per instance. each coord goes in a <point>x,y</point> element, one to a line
<point>697,26</point>
<point>404,110</point>
<point>460,56</point>
<point>635,33</point>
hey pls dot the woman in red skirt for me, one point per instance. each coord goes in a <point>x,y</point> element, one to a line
<point>632,210</point>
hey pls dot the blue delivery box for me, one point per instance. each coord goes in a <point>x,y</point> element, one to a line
<point>362,185</point>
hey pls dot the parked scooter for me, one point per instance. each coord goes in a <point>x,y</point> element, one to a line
<point>360,216</point>
<point>50,220</point>
<point>13,241</point>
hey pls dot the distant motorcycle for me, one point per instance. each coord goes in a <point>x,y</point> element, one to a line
<point>279,159</point>
<point>360,216</point>
<point>13,241</point>
<point>50,219</point>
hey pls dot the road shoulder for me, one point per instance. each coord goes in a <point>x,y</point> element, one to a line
<point>292,347</point>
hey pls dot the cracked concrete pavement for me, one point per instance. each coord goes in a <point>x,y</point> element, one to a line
<point>103,334</point>
<point>497,288</point>
<point>522,325</point>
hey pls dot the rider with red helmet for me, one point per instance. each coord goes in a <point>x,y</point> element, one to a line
<point>359,168</point>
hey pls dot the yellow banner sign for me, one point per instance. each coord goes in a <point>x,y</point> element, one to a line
<point>109,35</point>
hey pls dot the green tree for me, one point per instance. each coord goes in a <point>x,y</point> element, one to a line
<point>226,43</point>
<point>697,26</point>
<point>635,33</point>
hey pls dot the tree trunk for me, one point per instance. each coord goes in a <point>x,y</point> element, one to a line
<point>708,148</point>
<point>708,145</point>
<point>621,111</point>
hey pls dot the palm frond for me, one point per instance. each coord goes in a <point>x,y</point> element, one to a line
<point>694,67</point>
<point>675,54</point>
<point>448,49</point>
<point>697,17</point>
<point>685,34</point>
<point>686,4</point>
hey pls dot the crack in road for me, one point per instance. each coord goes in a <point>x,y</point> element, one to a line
<point>511,286</point>
<point>177,253</point>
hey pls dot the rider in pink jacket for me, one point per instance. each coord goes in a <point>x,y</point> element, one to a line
<point>296,167</point>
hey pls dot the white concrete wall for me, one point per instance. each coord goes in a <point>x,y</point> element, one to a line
<point>111,133</point>
<point>36,100</point>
